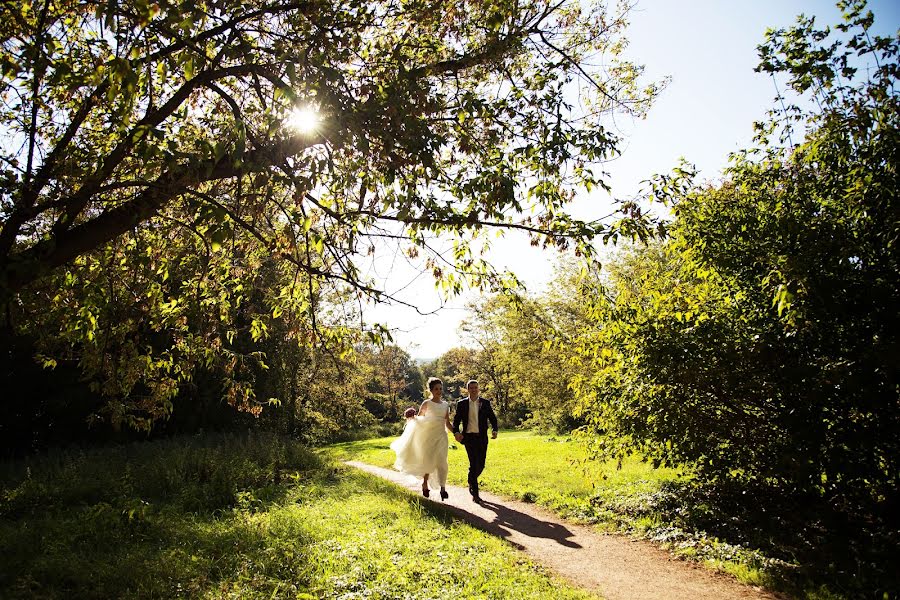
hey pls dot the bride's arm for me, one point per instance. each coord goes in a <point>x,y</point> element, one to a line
<point>423,409</point>
<point>447,420</point>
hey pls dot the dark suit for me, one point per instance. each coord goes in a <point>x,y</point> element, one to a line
<point>476,443</point>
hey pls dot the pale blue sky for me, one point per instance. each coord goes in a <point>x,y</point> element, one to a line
<point>708,48</point>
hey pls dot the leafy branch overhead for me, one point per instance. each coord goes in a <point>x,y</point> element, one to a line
<point>447,117</point>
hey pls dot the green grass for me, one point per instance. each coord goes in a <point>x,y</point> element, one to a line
<point>551,471</point>
<point>554,472</point>
<point>238,517</point>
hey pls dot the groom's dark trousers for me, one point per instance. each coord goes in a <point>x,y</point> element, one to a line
<point>476,443</point>
<point>476,447</point>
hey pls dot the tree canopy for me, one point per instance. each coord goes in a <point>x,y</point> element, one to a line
<point>757,343</point>
<point>440,116</point>
<point>162,211</point>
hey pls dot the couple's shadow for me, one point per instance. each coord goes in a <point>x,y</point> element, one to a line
<point>509,520</point>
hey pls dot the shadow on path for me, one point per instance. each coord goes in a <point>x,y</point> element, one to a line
<point>493,514</point>
<point>508,519</point>
<point>617,567</point>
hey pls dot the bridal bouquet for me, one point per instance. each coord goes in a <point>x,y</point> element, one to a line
<point>410,412</point>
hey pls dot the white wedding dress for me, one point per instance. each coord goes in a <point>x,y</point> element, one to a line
<point>422,449</point>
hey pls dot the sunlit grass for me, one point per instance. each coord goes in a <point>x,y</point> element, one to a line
<point>238,517</point>
<point>554,472</point>
<point>548,470</point>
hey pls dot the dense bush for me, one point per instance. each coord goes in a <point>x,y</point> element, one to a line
<point>758,343</point>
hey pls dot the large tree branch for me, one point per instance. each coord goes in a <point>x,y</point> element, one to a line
<point>494,50</point>
<point>25,207</point>
<point>577,65</point>
<point>78,201</point>
<point>223,28</point>
<point>32,188</point>
<point>40,67</point>
<point>34,262</point>
<point>464,221</point>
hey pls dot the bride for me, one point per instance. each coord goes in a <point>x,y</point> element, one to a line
<point>422,449</point>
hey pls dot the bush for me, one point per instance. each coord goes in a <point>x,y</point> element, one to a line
<point>758,344</point>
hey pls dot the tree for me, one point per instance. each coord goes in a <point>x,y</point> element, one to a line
<point>454,367</point>
<point>758,344</point>
<point>392,377</point>
<point>436,116</point>
<point>153,323</point>
<point>132,124</point>
<point>526,348</point>
<point>490,362</point>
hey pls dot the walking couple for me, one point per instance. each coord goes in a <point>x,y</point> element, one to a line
<point>422,449</point>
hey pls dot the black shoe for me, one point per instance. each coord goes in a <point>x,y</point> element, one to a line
<point>426,492</point>
<point>444,495</point>
<point>476,498</point>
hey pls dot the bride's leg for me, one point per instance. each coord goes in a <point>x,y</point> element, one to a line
<point>425,490</point>
<point>442,470</point>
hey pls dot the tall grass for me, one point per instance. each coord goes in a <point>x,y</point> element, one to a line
<point>252,516</point>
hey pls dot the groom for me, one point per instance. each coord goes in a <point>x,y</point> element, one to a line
<point>473,414</point>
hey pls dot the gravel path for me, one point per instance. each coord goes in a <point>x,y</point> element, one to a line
<point>612,565</point>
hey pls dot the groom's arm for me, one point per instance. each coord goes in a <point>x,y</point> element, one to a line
<point>457,418</point>
<point>492,418</point>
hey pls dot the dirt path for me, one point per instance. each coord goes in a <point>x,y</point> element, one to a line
<point>615,566</point>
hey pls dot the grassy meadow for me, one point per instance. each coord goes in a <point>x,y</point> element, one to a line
<point>219,516</point>
<point>550,471</point>
<point>554,472</point>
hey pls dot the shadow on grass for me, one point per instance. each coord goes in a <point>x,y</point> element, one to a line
<point>163,555</point>
<point>144,531</point>
<point>171,518</point>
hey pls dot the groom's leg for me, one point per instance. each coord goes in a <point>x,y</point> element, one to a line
<point>482,456</point>
<point>476,461</point>
<point>472,451</point>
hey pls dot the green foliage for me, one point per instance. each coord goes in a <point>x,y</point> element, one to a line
<point>391,380</point>
<point>248,517</point>
<point>455,368</point>
<point>162,321</point>
<point>157,205</point>
<point>758,343</point>
<point>524,353</point>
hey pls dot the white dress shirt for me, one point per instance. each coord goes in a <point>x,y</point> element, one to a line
<point>472,425</point>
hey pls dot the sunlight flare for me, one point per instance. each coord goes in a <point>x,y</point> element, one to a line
<point>304,119</point>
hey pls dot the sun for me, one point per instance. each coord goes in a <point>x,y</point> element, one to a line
<point>304,119</point>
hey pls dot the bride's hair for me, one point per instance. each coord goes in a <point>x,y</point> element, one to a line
<point>433,381</point>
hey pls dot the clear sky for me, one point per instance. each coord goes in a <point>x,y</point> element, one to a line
<point>708,48</point>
